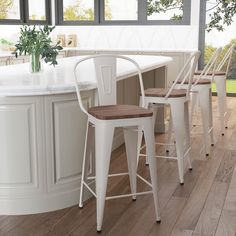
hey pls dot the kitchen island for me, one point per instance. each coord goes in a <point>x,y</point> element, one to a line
<point>43,129</point>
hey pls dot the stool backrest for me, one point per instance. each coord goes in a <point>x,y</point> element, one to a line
<point>226,59</point>
<point>210,66</point>
<point>186,74</point>
<point>106,73</point>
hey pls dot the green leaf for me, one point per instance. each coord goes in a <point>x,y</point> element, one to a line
<point>37,40</point>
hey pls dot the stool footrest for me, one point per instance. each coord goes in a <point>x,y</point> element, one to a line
<point>128,195</point>
<point>144,180</point>
<point>110,175</point>
<point>166,144</point>
<point>88,187</point>
<point>168,157</point>
<point>162,144</point>
<point>122,195</point>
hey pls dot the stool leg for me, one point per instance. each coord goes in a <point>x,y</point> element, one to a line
<point>150,146</point>
<point>194,99</point>
<point>89,138</point>
<point>221,93</point>
<point>139,144</point>
<point>140,138</point>
<point>205,111</point>
<point>211,118</point>
<point>103,146</point>
<point>177,110</point>
<point>170,130</point>
<point>187,133</point>
<point>131,141</point>
<point>154,109</point>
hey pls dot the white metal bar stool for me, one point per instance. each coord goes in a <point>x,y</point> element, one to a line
<point>178,99</point>
<point>219,76</point>
<point>102,120</point>
<point>201,91</point>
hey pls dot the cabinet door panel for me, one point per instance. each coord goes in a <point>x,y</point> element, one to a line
<point>20,147</point>
<point>66,131</point>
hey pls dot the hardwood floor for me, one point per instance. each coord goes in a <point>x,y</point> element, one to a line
<point>204,206</point>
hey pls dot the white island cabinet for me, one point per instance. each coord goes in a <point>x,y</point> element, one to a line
<point>42,130</point>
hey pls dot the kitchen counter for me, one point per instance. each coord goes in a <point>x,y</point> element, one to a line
<point>16,80</point>
<point>125,51</point>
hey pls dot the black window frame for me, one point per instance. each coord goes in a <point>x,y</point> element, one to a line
<point>202,29</point>
<point>142,16</point>
<point>24,15</point>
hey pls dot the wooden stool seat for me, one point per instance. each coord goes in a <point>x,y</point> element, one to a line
<point>161,92</point>
<point>217,73</point>
<point>113,112</point>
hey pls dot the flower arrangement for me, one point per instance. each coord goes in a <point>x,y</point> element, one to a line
<point>37,43</point>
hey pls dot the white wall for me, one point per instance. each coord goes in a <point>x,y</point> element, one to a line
<point>133,37</point>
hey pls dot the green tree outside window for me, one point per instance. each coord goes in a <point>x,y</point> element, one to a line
<point>5,6</point>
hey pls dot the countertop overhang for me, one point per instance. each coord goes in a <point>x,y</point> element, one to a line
<point>16,80</point>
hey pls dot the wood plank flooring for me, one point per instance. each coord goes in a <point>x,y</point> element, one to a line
<point>204,206</point>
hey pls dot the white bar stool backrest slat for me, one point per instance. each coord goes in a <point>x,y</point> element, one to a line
<point>210,66</point>
<point>186,74</point>
<point>105,70</point>
<point>106,74</point>
<point>227,57</point>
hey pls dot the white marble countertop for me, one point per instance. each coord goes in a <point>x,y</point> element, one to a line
<point>131,50</point>
<point>125,50</point>
<point>16,80</point>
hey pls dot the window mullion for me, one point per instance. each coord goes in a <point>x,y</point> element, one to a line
<point>186,10</point>
<point>59,12</point>
<point>142,11</point>
<point>22,11</point>
<point>25,11</point>
<point>48,11</point>
<point>97,11</point>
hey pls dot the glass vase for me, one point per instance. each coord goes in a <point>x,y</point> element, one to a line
<point>35,62</point>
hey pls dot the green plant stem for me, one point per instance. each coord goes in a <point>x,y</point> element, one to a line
<point>35,62</point>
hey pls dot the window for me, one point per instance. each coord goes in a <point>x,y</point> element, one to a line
<point>25,11</point>
<point>168,10</point>
<point>70,12</point>
<point>120,10</point>
<point>11,11</point>
<point>111,12</point>
<point>78,11</point>
<point>36,10</point>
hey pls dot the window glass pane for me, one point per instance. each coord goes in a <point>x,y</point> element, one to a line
<point>37,10</point>
<point>10,9</point>
<point>78,10</point>
<point>165,10</point>
<point>121,10</point>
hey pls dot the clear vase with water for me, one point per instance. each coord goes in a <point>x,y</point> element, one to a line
<point>35,62</point>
